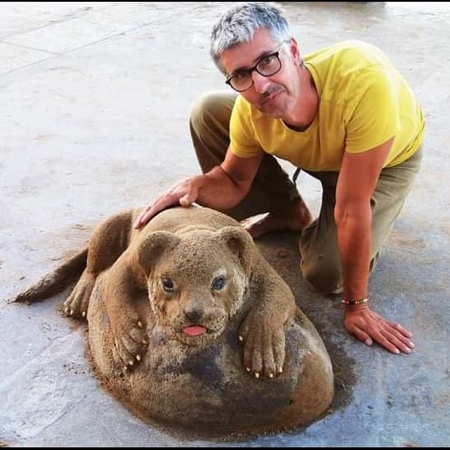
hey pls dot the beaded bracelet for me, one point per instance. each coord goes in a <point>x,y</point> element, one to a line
<point>355,302</point>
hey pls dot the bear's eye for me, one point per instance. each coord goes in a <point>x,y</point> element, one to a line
<point>167,284</point>
<point>218,283</point>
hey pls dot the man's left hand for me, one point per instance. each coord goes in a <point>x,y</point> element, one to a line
<point>368,326</point>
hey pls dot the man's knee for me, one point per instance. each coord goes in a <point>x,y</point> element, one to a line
<point>210,110</point>
<point>324,279</point>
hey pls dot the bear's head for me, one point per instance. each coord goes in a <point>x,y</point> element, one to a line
<point>197,280</point>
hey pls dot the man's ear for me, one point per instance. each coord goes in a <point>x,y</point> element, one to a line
<point>294,50</point>
<point>153,247</point>
<point>240,243</point>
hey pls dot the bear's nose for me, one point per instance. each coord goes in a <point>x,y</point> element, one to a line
<point>194,314</point>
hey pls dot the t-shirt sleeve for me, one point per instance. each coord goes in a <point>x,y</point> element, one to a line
<point>243,141</point>
<point>372,111</point>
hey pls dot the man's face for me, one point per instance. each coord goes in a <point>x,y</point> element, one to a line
<point>274,95</point>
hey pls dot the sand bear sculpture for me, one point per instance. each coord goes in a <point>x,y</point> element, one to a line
<point>190,327</point>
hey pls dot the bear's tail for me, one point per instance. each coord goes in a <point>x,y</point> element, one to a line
<point>56,281</point>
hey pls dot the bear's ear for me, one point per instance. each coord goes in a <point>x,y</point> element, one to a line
<point>240,242</point>
<point>152,247</point>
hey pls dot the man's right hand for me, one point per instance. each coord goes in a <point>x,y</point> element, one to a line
<point>183,193</point>
<point>221,188</point>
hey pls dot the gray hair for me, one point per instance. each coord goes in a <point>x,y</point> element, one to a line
<point>240,23</point>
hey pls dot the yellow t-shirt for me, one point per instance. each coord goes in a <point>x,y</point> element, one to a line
<point>363,102</point>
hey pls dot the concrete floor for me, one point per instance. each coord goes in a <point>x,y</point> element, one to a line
<point>95,98</point>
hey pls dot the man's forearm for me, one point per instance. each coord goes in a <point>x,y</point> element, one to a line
<point>219,191</point>
<point>354,239</point>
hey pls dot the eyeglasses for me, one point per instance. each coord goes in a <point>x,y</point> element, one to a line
<point>267,66</point>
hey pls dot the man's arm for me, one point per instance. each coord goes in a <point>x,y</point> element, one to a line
<point>357,180</point>
<point>221,188</point>
<point>227,184</point>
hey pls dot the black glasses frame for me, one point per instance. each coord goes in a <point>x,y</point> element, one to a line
<point>229,80</point>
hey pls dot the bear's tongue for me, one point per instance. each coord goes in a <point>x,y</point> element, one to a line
<point>194,330</point>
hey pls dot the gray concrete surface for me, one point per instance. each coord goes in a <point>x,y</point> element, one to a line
<point>94,100</point>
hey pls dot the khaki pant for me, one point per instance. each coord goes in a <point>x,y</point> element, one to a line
<point>273,190</point>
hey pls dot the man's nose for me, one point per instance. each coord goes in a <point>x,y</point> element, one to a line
<point>260,82</point>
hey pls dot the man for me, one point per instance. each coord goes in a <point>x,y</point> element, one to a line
<point>344,115</point>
